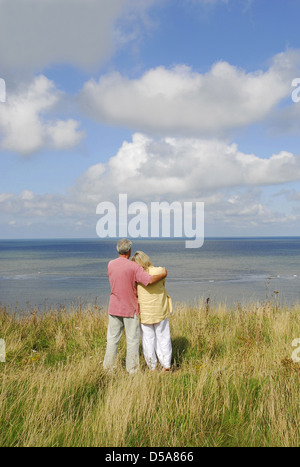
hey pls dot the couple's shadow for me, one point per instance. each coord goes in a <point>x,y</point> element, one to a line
<point>179,348</point>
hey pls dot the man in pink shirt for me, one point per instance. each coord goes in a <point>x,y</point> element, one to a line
<point>123,307</point>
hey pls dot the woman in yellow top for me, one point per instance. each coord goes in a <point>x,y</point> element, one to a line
<point>155,306</point>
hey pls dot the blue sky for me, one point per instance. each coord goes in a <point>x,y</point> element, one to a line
<point>165,100</point>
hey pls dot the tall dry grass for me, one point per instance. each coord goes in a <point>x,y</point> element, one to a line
<point>233,382</point>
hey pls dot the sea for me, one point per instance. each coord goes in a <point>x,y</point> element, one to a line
<point>231,271</point>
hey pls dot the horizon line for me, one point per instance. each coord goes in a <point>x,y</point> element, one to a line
<point>152,238</point>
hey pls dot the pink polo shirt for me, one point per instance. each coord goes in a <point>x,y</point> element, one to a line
<point>123,276</point>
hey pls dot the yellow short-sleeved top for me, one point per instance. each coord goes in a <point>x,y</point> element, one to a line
<point>153,299</point>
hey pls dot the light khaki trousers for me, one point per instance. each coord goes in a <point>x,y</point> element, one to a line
<point>116,326</point>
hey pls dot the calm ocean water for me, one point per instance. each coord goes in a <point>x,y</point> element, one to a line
<point>231,270</point>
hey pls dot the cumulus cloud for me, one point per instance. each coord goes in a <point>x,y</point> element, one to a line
<point>35,33</point>
<point>227,180</point>
<point>185,168</point>
<point>83,33</point>
<point>286,120</point>
<point>23,123</point>
<point>65,134</point>
<point>182,101</point>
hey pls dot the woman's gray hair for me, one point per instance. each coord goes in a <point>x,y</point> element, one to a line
<point>123,246</point>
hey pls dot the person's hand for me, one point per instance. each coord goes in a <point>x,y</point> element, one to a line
<point>159,277</point>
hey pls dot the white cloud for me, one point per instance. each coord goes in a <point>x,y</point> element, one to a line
<point>185,168</point>
<point>27,195</point>
<point>181,101</point>
<point>64,134</point>
<point>286,120</point>
<point>248,211</point>
<point>23,123</point>
<point>38,33</point>
<point>229,182</point>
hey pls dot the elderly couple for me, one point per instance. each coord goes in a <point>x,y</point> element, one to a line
<point>138,288</point>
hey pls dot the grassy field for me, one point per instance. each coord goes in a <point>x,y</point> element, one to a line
<point>233,381</point>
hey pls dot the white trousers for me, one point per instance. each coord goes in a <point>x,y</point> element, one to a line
<point>156,343</point>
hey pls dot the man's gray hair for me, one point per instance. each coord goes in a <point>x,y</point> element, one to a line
<point>123,246</point>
